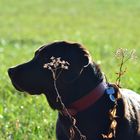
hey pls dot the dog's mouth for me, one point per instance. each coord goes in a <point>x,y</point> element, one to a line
<point>20,86</point>
<point>11,75</point>
<point>17,87</point>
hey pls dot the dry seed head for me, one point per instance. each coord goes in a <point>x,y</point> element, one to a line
<point>45,66</point>
<point>52,58</point>
<point>56,63</point>
<point>133,54</point>
<point>124,53</point>
<point>121,53</point>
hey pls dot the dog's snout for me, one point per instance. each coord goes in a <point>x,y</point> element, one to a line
<point>11,71</point>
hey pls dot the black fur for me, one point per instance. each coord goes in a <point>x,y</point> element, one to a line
<point>72,85</point>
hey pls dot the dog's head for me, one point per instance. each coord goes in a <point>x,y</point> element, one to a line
<point>33,78</point>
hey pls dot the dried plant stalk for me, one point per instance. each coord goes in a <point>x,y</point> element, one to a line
<point>124,55</point>
<point>53,66</point>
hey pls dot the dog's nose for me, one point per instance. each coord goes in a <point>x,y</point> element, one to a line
<point>11,71</point>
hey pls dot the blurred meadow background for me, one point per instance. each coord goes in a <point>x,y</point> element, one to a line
<point>102,26</point>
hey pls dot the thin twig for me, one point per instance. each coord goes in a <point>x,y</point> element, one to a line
<point>54,66</point>
<point>124,55</point>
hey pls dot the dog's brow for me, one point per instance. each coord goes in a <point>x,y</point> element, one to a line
<point>36,52</point>
<point>39,50</point>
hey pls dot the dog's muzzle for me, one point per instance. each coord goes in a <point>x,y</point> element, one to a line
<point>11,73</point>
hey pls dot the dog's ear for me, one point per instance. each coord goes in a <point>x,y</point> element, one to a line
<point>78,58</point>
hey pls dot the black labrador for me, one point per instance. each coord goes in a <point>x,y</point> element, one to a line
<point>85,94</point>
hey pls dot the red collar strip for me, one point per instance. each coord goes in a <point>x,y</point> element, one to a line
<point>88,100</point>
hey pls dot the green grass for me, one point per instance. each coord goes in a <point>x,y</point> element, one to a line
<point>101,25</point>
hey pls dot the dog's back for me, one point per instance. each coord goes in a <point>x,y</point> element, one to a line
<point>131,113</point>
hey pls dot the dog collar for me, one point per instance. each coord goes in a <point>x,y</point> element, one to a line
<point>88,100</point>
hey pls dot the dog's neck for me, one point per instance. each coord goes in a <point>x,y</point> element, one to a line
<point>84,84</point>
<point>89,79</point>
<point>98,110</point>
<point>88,100</point>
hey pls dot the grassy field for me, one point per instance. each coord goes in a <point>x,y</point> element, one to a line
<point>101,25</point>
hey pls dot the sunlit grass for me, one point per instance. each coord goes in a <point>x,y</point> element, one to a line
<point>101,25</point>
